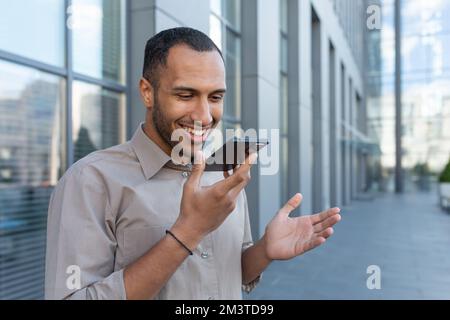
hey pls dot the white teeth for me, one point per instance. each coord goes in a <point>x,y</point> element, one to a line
<point>195,132</point>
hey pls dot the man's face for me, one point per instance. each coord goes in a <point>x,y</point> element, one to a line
<point>190,94</point>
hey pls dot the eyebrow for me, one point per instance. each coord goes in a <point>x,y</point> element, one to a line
<point>183,88</point>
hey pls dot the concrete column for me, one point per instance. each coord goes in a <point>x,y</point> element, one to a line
<point>260,94</point>
<point>305,112</point>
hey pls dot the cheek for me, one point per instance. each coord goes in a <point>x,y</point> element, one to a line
<point>217,112</point>
<point>174,112</point>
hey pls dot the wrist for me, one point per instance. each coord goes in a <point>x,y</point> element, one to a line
<point>263,242</point>
<point>186,235</point>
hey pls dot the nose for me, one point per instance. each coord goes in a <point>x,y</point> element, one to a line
<point>202,113</point>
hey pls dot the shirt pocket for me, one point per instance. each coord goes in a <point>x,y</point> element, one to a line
<point>137,241</point>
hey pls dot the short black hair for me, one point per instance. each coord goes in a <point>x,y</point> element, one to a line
<point>158,46</point>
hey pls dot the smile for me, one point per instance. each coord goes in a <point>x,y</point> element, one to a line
<point>196,135</point>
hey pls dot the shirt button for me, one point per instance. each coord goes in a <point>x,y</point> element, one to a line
<point>185,174</point>
<point>204,255</point>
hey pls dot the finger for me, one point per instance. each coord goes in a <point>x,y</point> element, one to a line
<point>316,218</point>
<point>226,174</point>
<point>326,233</point>
<point>315,242</point>
<point>291,205</point>
<point>197,170</point>
<point>329,222</point>
<point>236,190</point>
<point>239,175</point>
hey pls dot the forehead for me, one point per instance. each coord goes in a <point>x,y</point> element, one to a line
<point>188,67</point>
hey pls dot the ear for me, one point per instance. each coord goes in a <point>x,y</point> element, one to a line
<point>146,91</point>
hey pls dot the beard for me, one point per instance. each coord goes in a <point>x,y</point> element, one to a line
<point>164,129</point>
<point>162,126</point>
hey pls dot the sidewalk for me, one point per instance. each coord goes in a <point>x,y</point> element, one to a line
<point>407,236</point>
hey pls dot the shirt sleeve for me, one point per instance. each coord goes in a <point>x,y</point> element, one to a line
<point>247,243</point>
<point>81,241</point>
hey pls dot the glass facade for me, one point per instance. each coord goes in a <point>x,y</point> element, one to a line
<point>23,24</point>
<point>284,104</point>
<point>381,94</point>
<point>31,161</point>
<point>97,118</point>
<point>425,76</point>
<point>62,96</point>
<point>98,28</point>
<point>425,32</point>
<point>225,31</point>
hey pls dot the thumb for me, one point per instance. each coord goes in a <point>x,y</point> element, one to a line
<point>197,169</point>
<point>291,205</point>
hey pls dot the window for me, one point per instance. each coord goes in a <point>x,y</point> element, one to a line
<point>97,118</point>
<point>225,31</point>
<point>284,104</point>
<point>62,95</point>
<point>33,29</point>
<point>98,38</point>
<point>29,169</point>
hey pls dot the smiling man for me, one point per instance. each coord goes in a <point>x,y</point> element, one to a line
<point>128,222</point>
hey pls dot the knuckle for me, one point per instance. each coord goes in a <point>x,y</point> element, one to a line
<point>231,206</point>
<point>217,194</point>
<point>229,199</point>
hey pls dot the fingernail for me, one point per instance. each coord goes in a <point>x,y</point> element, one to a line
<point>198,157</point>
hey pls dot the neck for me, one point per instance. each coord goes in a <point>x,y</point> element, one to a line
<point>151,132</point>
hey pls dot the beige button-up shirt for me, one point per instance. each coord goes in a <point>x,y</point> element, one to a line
<point>112,206</point>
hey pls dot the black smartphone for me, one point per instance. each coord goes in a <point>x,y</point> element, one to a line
<point>233,153</point>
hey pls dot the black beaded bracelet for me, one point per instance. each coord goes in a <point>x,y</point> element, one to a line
<point>169,232</point>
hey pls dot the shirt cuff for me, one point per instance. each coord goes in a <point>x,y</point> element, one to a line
<point>110,288</point>
<point>247,288</point>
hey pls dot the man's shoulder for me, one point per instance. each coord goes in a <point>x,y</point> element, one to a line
<point>103,162</point>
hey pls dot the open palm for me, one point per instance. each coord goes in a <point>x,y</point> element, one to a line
<point>288,237</point>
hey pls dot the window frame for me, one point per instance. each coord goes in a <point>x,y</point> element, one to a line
<point>233,121</point>
<point>68,73</point>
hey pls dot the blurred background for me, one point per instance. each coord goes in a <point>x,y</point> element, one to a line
<point>360,90</point>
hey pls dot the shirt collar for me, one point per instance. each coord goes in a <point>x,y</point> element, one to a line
<point>149,154</point>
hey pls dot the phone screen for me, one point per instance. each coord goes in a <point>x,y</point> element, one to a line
<point>233,153</point>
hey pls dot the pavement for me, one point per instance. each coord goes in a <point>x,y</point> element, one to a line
<point>406,236</point>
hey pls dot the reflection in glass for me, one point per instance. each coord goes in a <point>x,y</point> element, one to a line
<point>283,16</point>
<point>215,30</point>
<point>224,31</point>
<point>98,118</point>
<point>284,104</point>
<point>232,13</point>
<point>233,75</point>
<point>381,94</point>
<point>33,29</point>
<point>216,6</point>
<point>99,38</point>
<point>31,137</point>
<point>425,94</point>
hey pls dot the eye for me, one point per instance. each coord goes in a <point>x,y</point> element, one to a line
<point>216,98</point>
<point>184,96</point>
